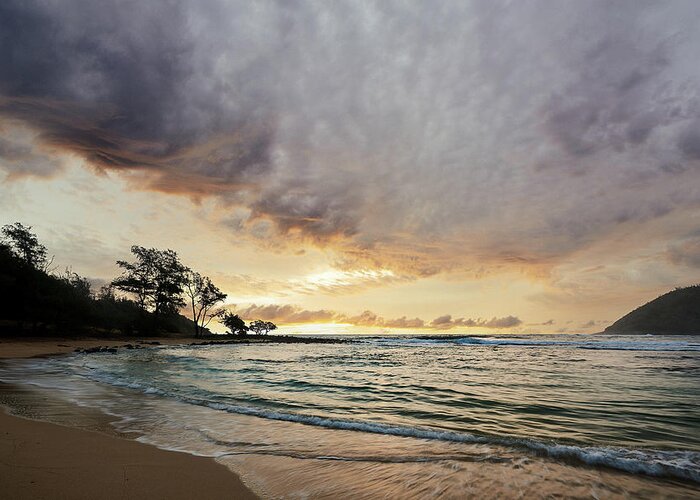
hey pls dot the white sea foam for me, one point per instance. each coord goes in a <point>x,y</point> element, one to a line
<point>614,345</point>
<point>659,463</point>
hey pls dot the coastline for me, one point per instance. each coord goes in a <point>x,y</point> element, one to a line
<point>33,347</point>
<point>279,456</point>
<point>41,459</point>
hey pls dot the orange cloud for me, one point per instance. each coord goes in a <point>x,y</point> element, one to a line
<point>289,314</point>
<point>446,322</point>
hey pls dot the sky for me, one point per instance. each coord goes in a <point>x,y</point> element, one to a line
<point>475,166</point>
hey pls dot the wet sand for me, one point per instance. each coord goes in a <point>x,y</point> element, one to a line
<point>44,346</point>
<point>47,460</point>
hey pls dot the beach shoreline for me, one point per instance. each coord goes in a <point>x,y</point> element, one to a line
<point>72,405</point>
<point>34,347</point>
<point>40,459</point>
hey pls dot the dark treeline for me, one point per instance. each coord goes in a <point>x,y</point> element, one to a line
<point>147,298</point>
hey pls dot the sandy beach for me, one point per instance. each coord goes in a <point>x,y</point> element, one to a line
<point>46,460</point>
<point>51,346</point>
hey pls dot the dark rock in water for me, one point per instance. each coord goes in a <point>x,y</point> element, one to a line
<point>92,350</point>
<point>675,313</point>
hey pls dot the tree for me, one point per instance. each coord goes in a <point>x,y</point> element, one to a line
<point>80,285</point>
<point>234,323</point>
<point>203,295</point>
<point>156,278</point>
<point>170,278</point>
<point>138,278</point>
<point>261,327</point>
<point>25,245</point>
<point>106,293</point>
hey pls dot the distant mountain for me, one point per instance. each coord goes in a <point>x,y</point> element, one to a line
<point>674,313</point>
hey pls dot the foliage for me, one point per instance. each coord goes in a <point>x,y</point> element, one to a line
<point>234,323</point>
<point>41,303</point>
<point>39,300</point>
<point>80,285</point>
<point>156,278</point>
<point>261,327</point>
<point>203,295</point>
<point>24,244</point>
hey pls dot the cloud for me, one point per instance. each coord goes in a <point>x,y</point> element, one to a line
<point>549,322</point>
<point>441,321</point>
<point>333,282</point>
<point>603,108</point>
<point>689,142</point>
<point>594,323</point>
<point>21,157</point>
<point>289,314</point>
<point>446,322</point>
<point>368,318</point>
<point>284,314</point>
<point>685,253</point>
<point>126,98</point>
<point>475,137</point>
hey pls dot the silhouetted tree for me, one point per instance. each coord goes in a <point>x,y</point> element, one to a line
<point>24,244</point>
<point>234,323</point>
<point>170,281</point>
<point>81,285</point>
<point>63,303</point>
<point>156,278</point>
<point>261,327</point>
<point>203,295</point>
<point>138,277</point>
<point>106,292</point>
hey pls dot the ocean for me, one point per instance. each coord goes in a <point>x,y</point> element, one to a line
<point>585,416</point>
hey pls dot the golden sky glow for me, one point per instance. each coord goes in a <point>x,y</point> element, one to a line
<point>509,168</point>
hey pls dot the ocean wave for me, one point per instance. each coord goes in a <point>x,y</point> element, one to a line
<point>676,464</point>
<point>613,345</point>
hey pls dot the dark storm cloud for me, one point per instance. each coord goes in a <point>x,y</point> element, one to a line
<point>111,81</point>
<point>80,54</point>
<point>415,136</point>
<point>689,142</point>
<point>608,104</point>
<point>321,216</point>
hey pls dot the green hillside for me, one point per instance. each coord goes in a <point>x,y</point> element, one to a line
<point>674,313</point>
